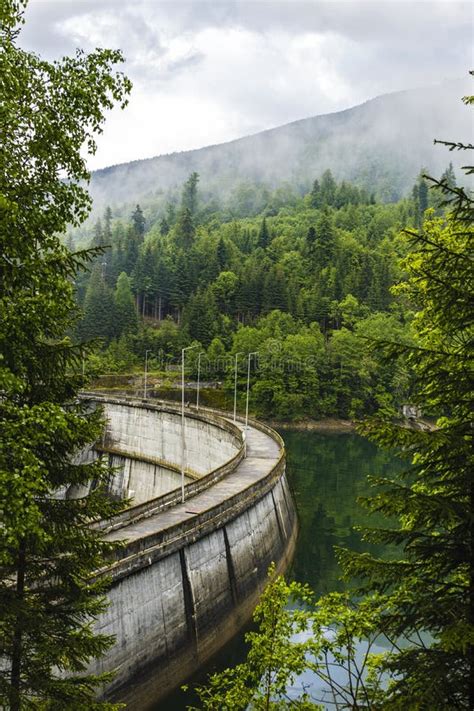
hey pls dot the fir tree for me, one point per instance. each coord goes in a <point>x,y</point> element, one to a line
<point>449,177</point>
<point>263,235</point>
<point>138,221</point>
<point>327,193</point>
<point>98,238</point>
<point>164,227</point>
<point>190,196</point>
<point>310,239</point>
<point>184,229</point>
<point>325,241</point>
<point>428,590</point>
<point>201,317</point>
<point>125,315</point>
<point>99,315</point>
<point>315,195</point>
<point>221,254</point>
<point>108,227</point>
<point>48,552</point>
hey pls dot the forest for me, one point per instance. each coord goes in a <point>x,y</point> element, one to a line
<point>305,280</point>
<point>352,304</point>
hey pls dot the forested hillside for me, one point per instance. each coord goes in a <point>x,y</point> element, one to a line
<point>379,145</point>
<point>304,283</point>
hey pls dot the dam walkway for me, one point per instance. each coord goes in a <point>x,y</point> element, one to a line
<point>262,455</point>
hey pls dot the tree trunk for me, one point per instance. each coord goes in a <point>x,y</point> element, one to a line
<point>17,651</point>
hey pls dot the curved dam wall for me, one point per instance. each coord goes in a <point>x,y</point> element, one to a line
<point>190,574</point>
<point>144,446</point>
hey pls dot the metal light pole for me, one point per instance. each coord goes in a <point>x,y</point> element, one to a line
<point>199,377</point>
<point>248,389</point>
<point>146,371</point>
<point>235,384</point>
<point>183,443</point>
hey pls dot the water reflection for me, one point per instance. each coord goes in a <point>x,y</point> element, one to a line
<point>328,472</point>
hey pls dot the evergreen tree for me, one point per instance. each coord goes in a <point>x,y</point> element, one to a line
<point>310,239</point>
<point>428,590</point>
<point>315,195</point>
<point>327,191</point>
<point>48,552</point>
<point>429,586</point>
<point>108,227</point>
<point>125,315</point>
<point>130,251</point>
<point>325,241</point>
<point>138,221</point>
<point>170,215</point>
<point>274,290</point>
<point>184,229</point>
<point>161,280</point>
<point>200,317</point>
<point>164,227</point>
<point>449,177</point>
<point>420,198</point>
<point>221,254</point>
<point>99,315</point>
<point>143,277</point>
<point>263,235</point>
<point>190,196</point>
<point>98,238</point>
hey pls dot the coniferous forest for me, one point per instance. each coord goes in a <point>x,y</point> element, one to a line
<point>352,301</point>
<point>304,280</point>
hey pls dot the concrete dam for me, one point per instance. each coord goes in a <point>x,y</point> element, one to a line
<point>190,574</point>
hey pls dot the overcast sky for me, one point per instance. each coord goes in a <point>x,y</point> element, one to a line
<point>206,72</point>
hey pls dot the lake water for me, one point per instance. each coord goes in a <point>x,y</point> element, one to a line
<point>327,473</point>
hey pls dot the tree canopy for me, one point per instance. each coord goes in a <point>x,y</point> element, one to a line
<point>50,111</point>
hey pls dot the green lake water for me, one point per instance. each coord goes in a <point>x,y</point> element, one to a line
<point>327,473</point>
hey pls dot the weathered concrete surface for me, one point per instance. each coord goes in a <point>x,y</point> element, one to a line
<point>190,575</point>
<point>144,446</point>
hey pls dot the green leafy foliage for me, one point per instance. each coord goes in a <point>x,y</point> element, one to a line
<point>328,268</point>
<point>273,661</point>
<point>48,551</point>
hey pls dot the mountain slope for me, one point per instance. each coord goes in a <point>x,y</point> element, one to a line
<point>381,145</point>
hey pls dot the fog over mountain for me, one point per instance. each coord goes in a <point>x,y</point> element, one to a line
<point>381,145</point>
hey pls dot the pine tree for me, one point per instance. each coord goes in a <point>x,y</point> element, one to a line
<point>98,238</point>
<point>190,196</point>
<point>184,229</point>
<point>164,227</point>
<point>99,313</point>
<point>200,317</point>
<point>138,221</point>
<point>108,227</point>
<point>125,314</point>
<point>310,239</point>
<point>130,250</point>
<point>48,552</point>
<point>449,177</point>
<point>263,235</point>
<point>315,195</point>
<point>428,589</point>
<point>420,198</point>
<point>327,193</point>
<point>221,254</point>
<point>325,241</point>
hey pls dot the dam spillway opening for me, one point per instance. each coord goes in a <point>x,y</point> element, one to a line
<point>190,573</point>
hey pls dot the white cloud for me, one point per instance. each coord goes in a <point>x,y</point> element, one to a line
<point>207,71</point>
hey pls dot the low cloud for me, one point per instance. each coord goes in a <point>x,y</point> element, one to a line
<point>207,72</point>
